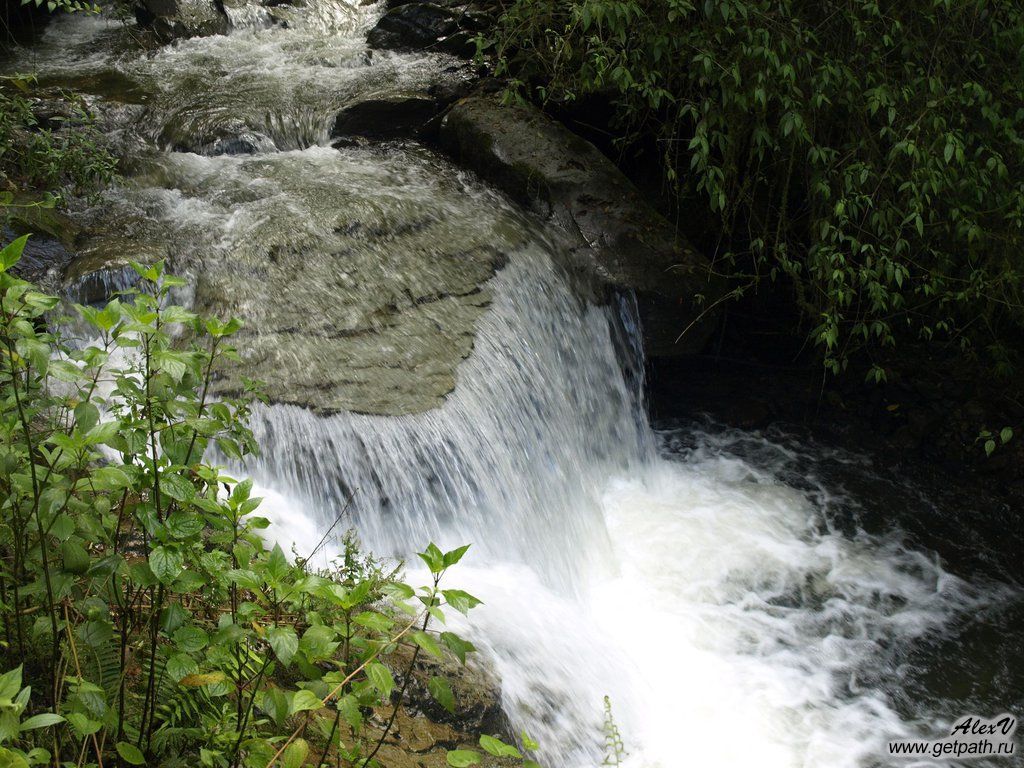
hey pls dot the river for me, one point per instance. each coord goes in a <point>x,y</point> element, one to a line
<point>432,362</point>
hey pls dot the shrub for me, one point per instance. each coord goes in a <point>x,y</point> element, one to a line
<point>63,152</point>
<point>134,588</point>
<point>869,154</point>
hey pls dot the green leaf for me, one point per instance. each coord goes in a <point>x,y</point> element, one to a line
<point>441,690</point>
<point>380,678</point>
<point>10,683</point>
<point>87,416</point>
<point>190,639</point>
<point>166,564</point>
<point>303,701</point>
<point>103,432</point>
<point>177,486</point>
<point>174,364</point>
<point>318,642</point>
<point>184,525</point>
<point>427,643</point>
<point>44,720</point>
<point>246,579</point>
<point>275,704</point>
<point>82,725</point>
<point>498,748</point>
<point>285,643</point>
<point>295,755</point>
<point>372,620</point>
<point>11,253</point>
<point>180,666</point>
<point>459,600</point>
<point>277,564</point>
<point>452,557</point>
<point>433,557</point>
<point>348,705</point>
<point>462,758</point>
<point>1006,435</point>
<point>398,591</point>
<point>75,558</point>
<point>457,645</point>
<point>130,753</point>
<point>110,478</point>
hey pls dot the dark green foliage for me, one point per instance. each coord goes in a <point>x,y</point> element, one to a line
<point>151,618</point>
<point>61,152</point>
<point>868,154</point>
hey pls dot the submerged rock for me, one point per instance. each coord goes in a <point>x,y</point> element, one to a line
<point>359,275</point>
<point>102,267</point>
<point>171,19</point>
<point>621,240</point>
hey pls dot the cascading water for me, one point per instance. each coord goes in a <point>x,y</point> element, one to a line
<point>729,617</point>
<point>713,604</point>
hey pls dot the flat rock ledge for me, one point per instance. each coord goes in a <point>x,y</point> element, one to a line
<point>622,243</point>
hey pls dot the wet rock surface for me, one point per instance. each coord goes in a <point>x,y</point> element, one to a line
<point>359,274</point>
<point>476,688</point>
<point>445,27</point>
<point>403,116</point>
<point>172,19</point>
<point>382,119</point>
<point>620,239</point>
<point>102,266</point>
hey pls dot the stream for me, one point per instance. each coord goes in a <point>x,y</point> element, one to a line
<point>431,361</point>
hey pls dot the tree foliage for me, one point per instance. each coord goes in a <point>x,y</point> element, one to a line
<point>867,154</point>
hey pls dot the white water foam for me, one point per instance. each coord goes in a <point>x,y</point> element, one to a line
<point>727,622</point>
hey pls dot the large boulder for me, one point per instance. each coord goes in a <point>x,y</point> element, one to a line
<point>414,26</point>
<point>403,115</point>
<point>102,266</point>
<point>171,19</point>
<point>621,241</point>
<point>51,241</point>
<point>445,26</point>
<point>421,732</point>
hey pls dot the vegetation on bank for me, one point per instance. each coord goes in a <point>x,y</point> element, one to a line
<point>866,157</point>
<point>48,148</point>
<point>137,597</point>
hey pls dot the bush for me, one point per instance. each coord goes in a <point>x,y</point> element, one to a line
<point>62,152</point>
<point>149,615</point>
<point>867,154</point>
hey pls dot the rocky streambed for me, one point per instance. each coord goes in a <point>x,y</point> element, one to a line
<point>296,170</point>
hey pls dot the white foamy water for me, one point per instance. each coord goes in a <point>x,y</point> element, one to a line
<point>714,605</point>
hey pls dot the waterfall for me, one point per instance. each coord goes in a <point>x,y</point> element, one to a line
<point>715,606</point>
<point>728,616</point>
